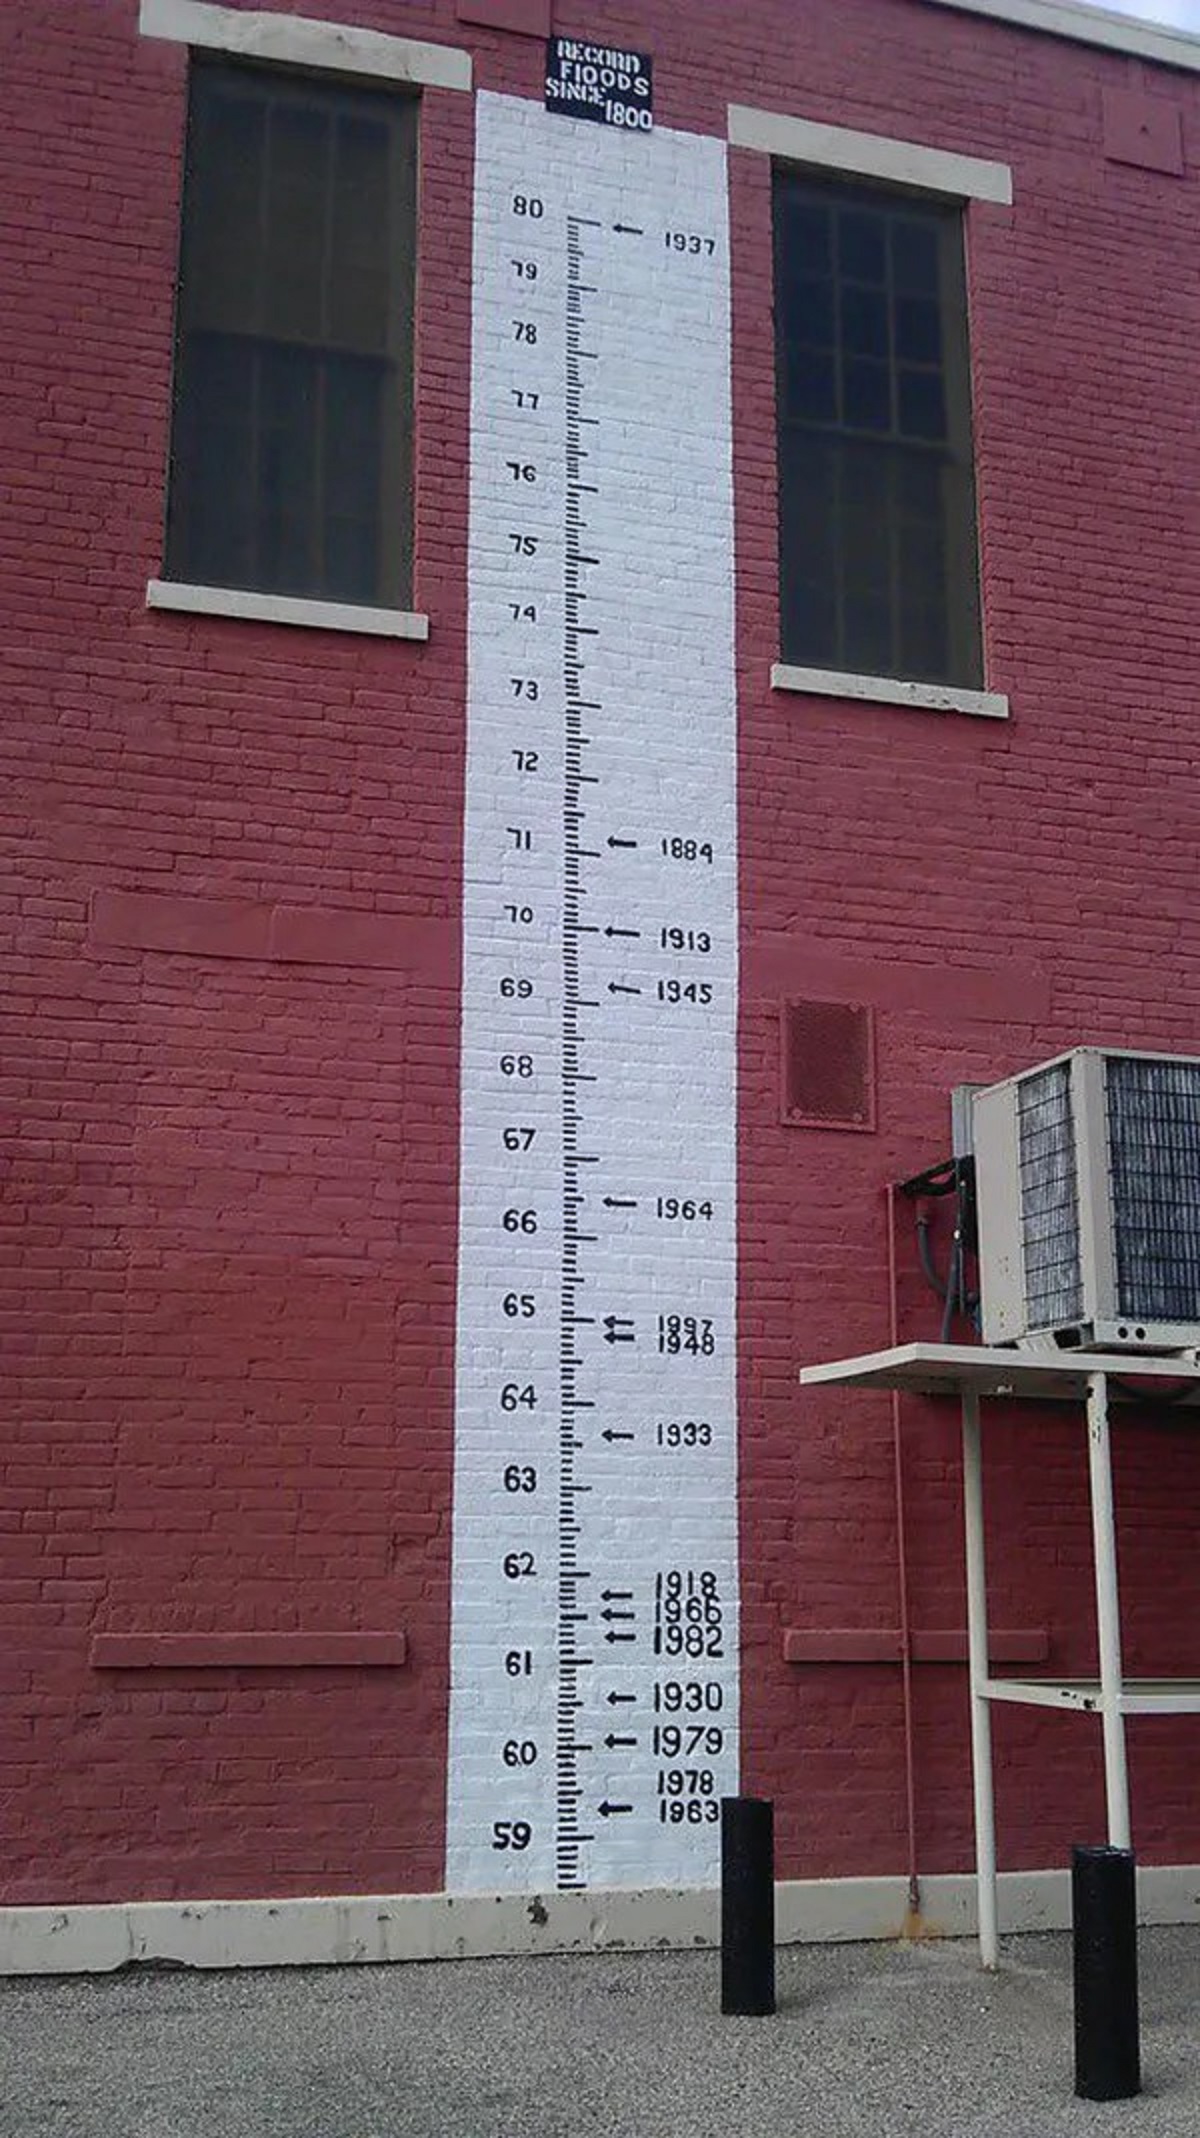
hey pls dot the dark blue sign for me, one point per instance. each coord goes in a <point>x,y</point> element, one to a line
<point>600,82</point>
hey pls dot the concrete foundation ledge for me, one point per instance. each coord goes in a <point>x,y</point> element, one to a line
<point>337,1929</point>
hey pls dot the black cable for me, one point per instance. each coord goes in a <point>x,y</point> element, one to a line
<point>953,1287</point>
<point>953,1290</point>
<point>928,1265</point>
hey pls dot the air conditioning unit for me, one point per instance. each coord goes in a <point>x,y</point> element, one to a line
<point>1087,1177</point>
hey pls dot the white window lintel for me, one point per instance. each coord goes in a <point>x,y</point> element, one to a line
<point>305,41</point>
<point>881,156</point>
<point>260,608</point>
<point>1083,24</point>
<point>890,690</point>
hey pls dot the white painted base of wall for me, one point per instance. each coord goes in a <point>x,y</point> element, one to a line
<point>335,1929</point>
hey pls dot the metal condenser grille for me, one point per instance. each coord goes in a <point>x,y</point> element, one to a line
<point>1049,1203</point>
<point>1154,1139</point>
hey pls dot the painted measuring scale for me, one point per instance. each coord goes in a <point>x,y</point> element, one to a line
<point>594,1696</point>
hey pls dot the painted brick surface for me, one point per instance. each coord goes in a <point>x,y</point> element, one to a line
<point>231,1173</point>
<point>596,1504</point>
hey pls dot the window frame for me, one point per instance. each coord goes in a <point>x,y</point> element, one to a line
<point>960,604</point>
<point>329,89</point>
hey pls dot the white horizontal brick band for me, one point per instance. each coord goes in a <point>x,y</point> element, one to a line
<point>839,148</point>
<point>302,41</point>
<point>285,609</point>
<point>340,1928</point>
<point>889,690</point>
<point>1090,26</point>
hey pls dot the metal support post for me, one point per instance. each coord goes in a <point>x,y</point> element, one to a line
<point>748,1906</point>
<point>1104,1925</point>
<point>977,1652</point>
<point>1108,1612</point>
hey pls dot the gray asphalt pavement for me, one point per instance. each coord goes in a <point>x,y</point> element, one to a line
<point>870,2040</point>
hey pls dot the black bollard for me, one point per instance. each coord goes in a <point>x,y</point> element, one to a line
<point>748,1906</point>
<point>1104,1919</point>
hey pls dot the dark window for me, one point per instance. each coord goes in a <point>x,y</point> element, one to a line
<point>876,490</point>
<point>291,443</point>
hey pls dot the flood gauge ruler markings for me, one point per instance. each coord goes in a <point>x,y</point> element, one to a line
<point>594,1684</point>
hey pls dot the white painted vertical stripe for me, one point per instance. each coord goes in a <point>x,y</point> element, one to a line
<point>595,1607</point>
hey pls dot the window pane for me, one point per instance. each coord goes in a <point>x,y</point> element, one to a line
<point>213,469</point>
<point>353,461</point>
<point>865,530</point>
<point>869,635</point>
<point>861,248</point>
<point>922,404</point>
<point>288,473</point>
<point>221,286</point>
<point>814,624</point>
<point>808,592</point>
<point>923,650</point>
<point>866,395</point>
<point>915,258</point>
<point>297,186</point>
<point>919,487</point>
<point>810,385</point>
<point>918,328</point>
<point>864,321</point>
<point>361,237</point>
<point>811,466</point>
<point>807,235</point>
<point>922,565</point>
<point>810,314</point>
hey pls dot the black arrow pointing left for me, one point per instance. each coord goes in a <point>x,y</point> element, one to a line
<point>618,1329</point>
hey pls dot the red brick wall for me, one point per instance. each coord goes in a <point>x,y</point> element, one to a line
<point>1050,853</point>
<point>229,1134</point>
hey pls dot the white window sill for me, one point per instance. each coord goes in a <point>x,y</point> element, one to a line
<point>886,690</point>
<point>285,609</point>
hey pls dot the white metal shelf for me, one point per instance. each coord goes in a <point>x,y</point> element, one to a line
<point>990,1370</point>
<point>1138,1696</point>
<point>972,1372</point>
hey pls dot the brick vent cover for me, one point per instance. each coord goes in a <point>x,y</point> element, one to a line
<point>827,1066</point>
